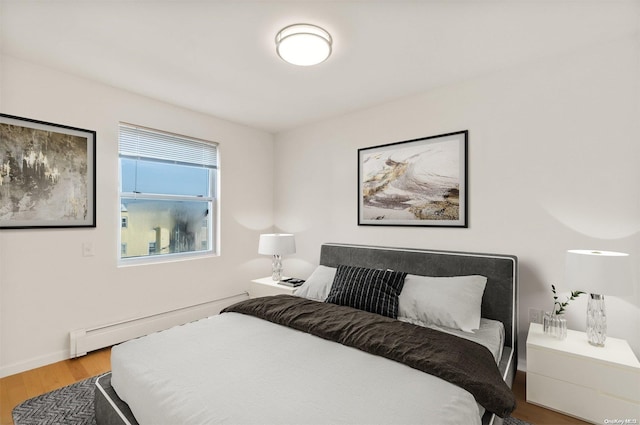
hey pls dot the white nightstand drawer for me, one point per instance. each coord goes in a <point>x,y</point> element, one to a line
<point>615,380</point>
<point>577,400</point>
<point>574,377</point>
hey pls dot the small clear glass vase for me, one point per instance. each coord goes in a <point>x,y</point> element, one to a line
<point>554,325</point>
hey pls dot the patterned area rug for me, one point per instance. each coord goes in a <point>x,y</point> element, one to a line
<point>73,405</point>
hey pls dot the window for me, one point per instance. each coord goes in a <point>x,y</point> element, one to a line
<point>167,194</point>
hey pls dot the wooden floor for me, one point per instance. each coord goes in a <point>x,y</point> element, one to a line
<point>17,388</point>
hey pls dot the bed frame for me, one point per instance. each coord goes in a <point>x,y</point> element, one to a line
<point>500,302</point>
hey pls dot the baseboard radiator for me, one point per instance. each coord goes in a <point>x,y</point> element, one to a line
<point>83,341</point>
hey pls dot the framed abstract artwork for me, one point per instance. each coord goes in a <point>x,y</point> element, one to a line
<point>419,182</point>
<point>47,174</point>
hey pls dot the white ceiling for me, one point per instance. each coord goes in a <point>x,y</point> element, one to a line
<point>218,57</point>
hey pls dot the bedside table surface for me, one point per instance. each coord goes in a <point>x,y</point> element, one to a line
<point>615,350</point>
<point>266,286</point>
<point>269,281</point>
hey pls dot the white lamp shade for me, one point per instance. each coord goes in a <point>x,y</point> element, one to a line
<point>599,272</point>
<point>303,44</point>
<point>277,244</point>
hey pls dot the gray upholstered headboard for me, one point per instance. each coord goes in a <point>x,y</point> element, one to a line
<point>500,296</point>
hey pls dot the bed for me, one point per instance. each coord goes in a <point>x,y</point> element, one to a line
<point>297,360</point>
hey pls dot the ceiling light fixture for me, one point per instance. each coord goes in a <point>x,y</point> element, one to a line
<point>303,44</point>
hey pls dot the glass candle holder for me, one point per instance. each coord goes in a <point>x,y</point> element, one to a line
<point>554,325</point>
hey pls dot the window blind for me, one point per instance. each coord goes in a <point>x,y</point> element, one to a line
<point>138,142</point>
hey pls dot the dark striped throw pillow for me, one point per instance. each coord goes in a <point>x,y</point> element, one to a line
<point>371,290</point>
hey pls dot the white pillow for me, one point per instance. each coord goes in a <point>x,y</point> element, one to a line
<point>454,302</point>
<point>318,285</point>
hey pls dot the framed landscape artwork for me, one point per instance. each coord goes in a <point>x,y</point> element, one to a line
<point>420,182</point>
<point>47,174</point>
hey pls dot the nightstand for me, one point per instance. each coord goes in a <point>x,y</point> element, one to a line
<point>267,286</point>
<point>591,383</point>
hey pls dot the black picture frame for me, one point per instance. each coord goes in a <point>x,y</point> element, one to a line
<point>47,174</point>
<point>418,182</point>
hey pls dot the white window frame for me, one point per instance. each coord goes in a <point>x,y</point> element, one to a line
<point>213,228</point>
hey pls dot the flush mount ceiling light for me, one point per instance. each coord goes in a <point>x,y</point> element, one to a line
<point>303,44</point>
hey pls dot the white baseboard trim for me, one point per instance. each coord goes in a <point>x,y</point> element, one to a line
<point>157,322</point>
<point>35,362</point>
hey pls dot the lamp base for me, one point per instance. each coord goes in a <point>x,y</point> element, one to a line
<point>276,268</point>
<point>596,320</point>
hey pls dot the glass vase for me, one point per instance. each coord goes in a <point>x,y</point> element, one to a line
<point>554,325</point>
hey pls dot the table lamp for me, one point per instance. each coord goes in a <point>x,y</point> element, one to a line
<point>598,273</point>
<point>277,244</point>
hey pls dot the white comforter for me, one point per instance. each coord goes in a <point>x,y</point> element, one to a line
<point>237,369</point>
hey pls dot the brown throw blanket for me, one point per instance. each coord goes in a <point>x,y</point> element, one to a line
<point>457,360</point>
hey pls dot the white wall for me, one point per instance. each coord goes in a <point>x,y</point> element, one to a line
<point>553,165</point>
<point>47,287</point>
<point>553,154</point>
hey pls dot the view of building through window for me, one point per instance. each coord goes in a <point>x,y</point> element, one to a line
<point>167,193</point>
